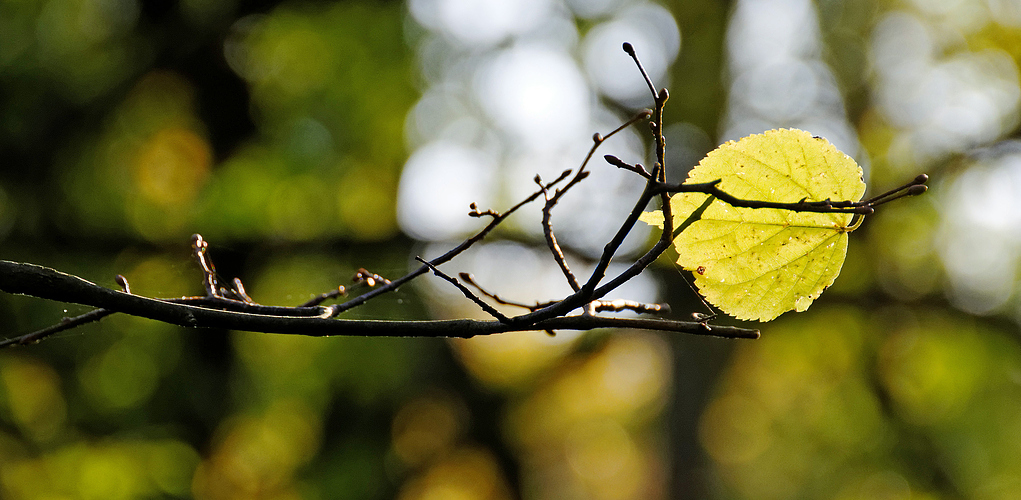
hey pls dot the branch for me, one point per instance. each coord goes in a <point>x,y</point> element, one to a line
<point>551,240</point>
<point>231,307</point>
<point>588,292</point>
<point>615,305</point>
<point>467,293</point>
<point>454,252</point>
<point>43,282</point>
<point>362,278</point>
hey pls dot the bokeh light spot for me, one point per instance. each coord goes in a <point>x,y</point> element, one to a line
<point>979,242</point>
<point>31,392</point>
<point>438,184</point>
<point>468,473</point>
<point>122,377</point>
<point>932,373</point>
<point>535,94</point>
<point>257,455</point>
<point>426,427</point>
<point>480,23</point>
<point>598,449</point>
<point>651,29</point>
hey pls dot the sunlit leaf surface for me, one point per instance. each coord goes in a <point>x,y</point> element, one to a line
<point>758,263</point>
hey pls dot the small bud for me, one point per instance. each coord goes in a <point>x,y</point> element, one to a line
<point>597,137</point>
<point>917,189</point>
<point>123,283</point>
<point>921,179</point>
<point>629,49</point>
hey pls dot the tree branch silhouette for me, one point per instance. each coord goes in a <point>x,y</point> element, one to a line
<point>229,306</point>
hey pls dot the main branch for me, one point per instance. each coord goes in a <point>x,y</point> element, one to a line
<point>46,283</point>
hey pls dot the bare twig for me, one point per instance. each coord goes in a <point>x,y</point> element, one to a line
<point>467,293</point>
<point>913,188</point>
<point>864,207</point>
<point>46,283</point>
<point>469,279</point>
<point>636,168</point>
<point>658,175</point>
<point>340,291</point>
<point>368,278</point>
<point>551,239</point>
<point>199,248</point>
<point>231,307</point>
<point>64,325</point>
<point>361,278</point>
<point>497,219</point>
<point>616,305</point>
<point>551,201</point>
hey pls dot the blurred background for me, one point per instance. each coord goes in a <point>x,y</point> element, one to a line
<point>306,139</point>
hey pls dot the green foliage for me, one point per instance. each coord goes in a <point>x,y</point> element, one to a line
<point>757,263</point>
<point>895,403</point>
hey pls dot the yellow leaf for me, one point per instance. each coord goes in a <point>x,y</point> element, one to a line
<point>757,263</point>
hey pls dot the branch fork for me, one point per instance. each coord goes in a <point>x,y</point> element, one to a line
<point>231,307</point>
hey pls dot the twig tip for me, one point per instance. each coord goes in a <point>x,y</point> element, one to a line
<point>123,283</point>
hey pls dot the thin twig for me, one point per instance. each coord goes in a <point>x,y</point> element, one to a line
<point>658,175</point>
<point>361,278</point>
<point>67,323</point>
<point>469,279</point>
<point>46,283</point>
<point>240,293</point>
<point>63,325</point>
<point>631,52</point>
<point>454,252</point>
<point>913,188</point>
<point>199,248</point>
<point>551,239</point>
<point>340,291</point>
<point>551,201</point>
<point>467,293</point>
<point>618,305</point>
<point>636,168</point>
<point>864,207</point>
